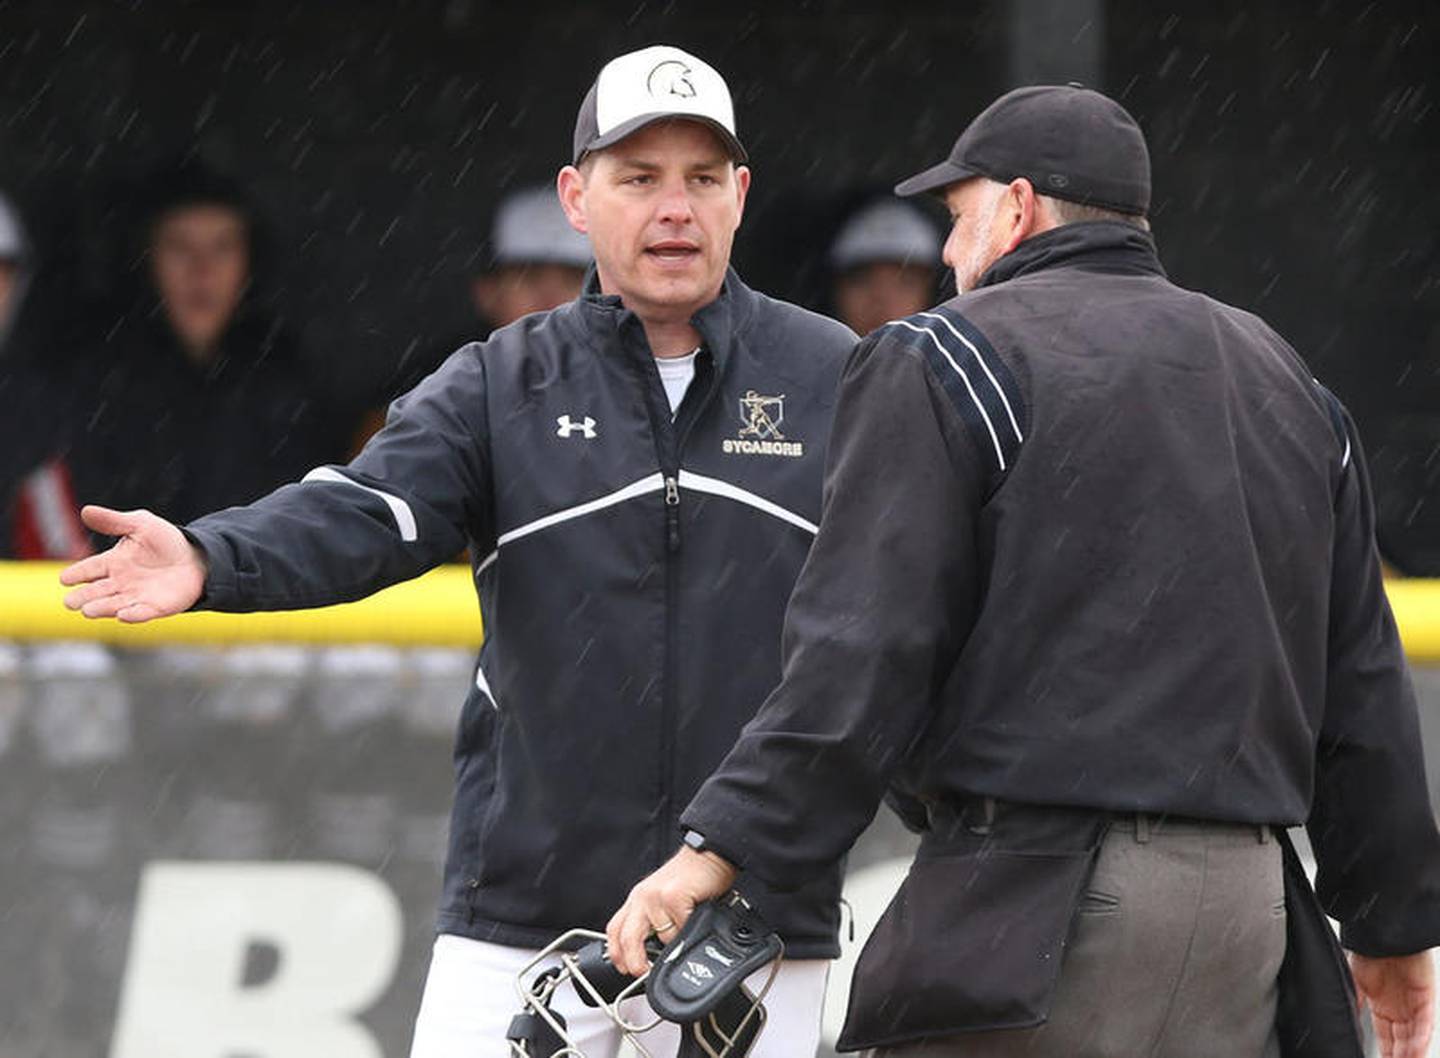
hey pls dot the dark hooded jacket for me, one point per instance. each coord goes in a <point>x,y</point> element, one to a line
<point>1094,543</point>
<point>161,431</point>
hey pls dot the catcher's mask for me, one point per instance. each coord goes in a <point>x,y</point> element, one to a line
<point>697,982</point>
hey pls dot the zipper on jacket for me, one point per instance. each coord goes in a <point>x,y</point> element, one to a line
<point>669,437</point>
<point>673,445</point>
<point>672,513</point>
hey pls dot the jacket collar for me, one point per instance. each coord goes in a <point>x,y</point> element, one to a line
<point>1096,246</point>
<point>718,322</point>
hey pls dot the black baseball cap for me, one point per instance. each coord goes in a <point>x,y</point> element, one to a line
<point>654,84</point>
<point>1070,142</point>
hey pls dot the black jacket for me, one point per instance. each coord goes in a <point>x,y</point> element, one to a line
<point>632,571</point>
<point>1094,541</point>
<point>158,430</point>
<point>135,422</point>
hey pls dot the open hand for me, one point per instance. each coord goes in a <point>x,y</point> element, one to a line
<point>1400,991</point>
<point>154,571</point>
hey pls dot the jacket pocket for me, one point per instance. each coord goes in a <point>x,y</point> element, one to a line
<point>972,940</point>
<point>476,776</point>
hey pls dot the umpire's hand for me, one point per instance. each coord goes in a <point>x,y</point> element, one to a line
<point>1400,991</point>
<point>154,571</point>
<point>661,903</point>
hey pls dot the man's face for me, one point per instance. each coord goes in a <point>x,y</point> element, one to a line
<point>661,208</point>
<point>511,291</point>
<point>200,259</point>
<point>977,234</point>
<point>872,295</point>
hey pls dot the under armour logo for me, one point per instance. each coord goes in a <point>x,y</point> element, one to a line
<point>671,77</point>
<point>566,427</point>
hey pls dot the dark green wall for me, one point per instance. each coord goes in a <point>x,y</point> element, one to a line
<point>1294,144</point>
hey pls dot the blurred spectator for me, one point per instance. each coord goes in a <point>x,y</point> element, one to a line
<point>14,267</point>
<point>883,260</point>
<point>37,522</point>
<point>536,262</point>
<point>193,399</point>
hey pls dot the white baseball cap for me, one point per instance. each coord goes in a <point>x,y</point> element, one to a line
<point>530,228</point>
<point>886,230</point>
<point>654,84</point>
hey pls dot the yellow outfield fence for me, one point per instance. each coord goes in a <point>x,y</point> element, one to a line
<point>438,609</point>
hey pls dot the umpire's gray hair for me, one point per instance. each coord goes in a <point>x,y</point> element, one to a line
<point>1066,212</point>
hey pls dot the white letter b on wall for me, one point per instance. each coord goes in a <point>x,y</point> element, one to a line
<point>335,932</point>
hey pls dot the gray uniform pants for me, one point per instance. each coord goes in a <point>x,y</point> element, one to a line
<point>1179,938</point>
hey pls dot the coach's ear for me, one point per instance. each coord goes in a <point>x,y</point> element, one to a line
<point>742,191</point>
<point>570,186</point>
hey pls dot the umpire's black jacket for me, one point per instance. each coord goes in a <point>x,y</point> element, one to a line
<point>1097,542</point>
<point>632,571</point>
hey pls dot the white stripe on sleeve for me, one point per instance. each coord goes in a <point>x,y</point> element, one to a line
<point>974,397</point>
<point>1014,425</point>
<point>484,686</point>
<point>404,516</point>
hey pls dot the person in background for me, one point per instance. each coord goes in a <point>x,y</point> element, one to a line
<point>14,266</point>
<point>537,260</point>
<point>39,512</point>
<point>537,263</point>
<point>195,399</point>
<point>883,263</point>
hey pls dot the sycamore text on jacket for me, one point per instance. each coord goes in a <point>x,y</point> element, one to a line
<point>763,448</point>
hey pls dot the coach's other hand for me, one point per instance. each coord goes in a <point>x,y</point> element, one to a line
<point>1400,991</point>
<point>661,903</point>
<point>154,571</point>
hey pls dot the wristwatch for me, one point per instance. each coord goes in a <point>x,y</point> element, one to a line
<point>695,840</point>
<point>698,842</point>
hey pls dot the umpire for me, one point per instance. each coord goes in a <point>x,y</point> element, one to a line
<point>1096,585</point>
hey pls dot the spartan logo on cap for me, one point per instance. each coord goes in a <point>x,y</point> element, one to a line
<point>654,84</point>
<point>670,77</point>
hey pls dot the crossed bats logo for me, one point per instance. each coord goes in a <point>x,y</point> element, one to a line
<point>671,77</point>
<point>762,416</point>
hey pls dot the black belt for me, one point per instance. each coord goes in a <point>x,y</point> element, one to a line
<point>957,817</point>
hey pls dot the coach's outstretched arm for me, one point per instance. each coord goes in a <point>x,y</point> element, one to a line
<point>408,502</point>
